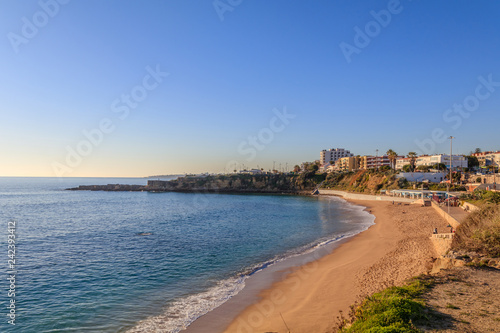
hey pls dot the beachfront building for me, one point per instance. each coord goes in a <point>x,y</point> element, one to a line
<point>372,162</point>
<point>457,161</point>
<point>348,163</point>
<point>401,162</point>
<point>330,156</point>
<point>488,158</point>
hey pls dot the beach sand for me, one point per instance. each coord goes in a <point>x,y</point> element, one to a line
<point>309,299</point>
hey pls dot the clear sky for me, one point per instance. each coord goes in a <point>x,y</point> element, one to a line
<point>137,88</point>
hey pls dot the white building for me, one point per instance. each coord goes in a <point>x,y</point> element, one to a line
<point>488,158</point>
<point>457,161</point>
<point>432,177</point>
<point>401,162</point>
<point>332,155</point>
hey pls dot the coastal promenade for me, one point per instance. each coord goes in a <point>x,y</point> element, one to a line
<point>367,197</point>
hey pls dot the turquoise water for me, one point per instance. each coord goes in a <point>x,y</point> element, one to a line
<point>104,261</point>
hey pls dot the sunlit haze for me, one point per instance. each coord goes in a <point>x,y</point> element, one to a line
<point>129,88</point>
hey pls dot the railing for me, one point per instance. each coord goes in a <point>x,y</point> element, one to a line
<point>444,236</point>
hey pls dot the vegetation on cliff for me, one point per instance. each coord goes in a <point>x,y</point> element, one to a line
<point>372,181</point>
<point>364,181</point>
<point>480,232</point>
<point>482,198</point>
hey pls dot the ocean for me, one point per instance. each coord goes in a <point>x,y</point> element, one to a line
<point>109,261</point>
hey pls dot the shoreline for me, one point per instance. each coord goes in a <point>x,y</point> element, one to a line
<point>220,317</point>
<point>310,297</point>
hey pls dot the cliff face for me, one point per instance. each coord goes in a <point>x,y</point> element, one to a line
<point>241,183</point>
<point>236,183</point>
<point>363,181</point>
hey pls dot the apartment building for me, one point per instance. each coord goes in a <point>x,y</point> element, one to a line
<point>457,161</point>
<point>401,162</point>
<point>348,163</point>
<point>332,155</point>
<point>372,162</point>
<point>488,158</point>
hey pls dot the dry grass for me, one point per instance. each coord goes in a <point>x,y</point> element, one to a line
<point>464,300</point>
<point>480,232</point>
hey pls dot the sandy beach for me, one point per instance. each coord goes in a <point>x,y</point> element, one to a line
<point>309,299</point>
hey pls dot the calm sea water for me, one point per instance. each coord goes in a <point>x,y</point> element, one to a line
<point>104,261</point>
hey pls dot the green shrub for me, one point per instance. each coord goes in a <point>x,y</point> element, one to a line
<point>391,310</point>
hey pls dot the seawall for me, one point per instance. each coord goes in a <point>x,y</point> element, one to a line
<point>356,196</point>
<point>450,219</point>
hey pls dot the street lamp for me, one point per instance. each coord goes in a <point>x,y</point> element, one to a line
<point>451,165</point>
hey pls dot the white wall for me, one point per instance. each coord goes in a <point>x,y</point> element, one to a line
<point>433,177</point>
<point>356,196</point>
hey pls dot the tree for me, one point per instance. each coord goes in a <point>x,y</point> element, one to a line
<point>407,168</point>
<point>424,168</point>
<point>440,166</point>
<point>413,159</point>
<point>472,162</point>
<point>313,167</point>
<point>392,157</point>
<point>477,151</point>
<point>296,168</point>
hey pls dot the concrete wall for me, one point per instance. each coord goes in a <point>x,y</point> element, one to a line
<point>450,219</point>
<point>356,196</point>
<point>442,243</point>
<point>470,207</point>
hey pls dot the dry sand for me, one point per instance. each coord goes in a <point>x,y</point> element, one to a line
<point>466,300</point>
<point>308,300</point>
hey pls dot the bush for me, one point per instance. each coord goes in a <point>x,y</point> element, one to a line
<point>392,310</point>
<point>402,182</point>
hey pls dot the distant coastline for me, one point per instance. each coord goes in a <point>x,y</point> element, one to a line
<point>165,176</point>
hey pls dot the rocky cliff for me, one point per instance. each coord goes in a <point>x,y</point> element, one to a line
<point>242,183</point>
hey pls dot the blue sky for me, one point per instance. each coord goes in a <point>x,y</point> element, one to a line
<point>229,79</point>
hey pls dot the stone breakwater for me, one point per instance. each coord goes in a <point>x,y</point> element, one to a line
<point>109,187</point>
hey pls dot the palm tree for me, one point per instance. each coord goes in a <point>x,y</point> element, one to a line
<point>392,157</point>
<point>413,159</point>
